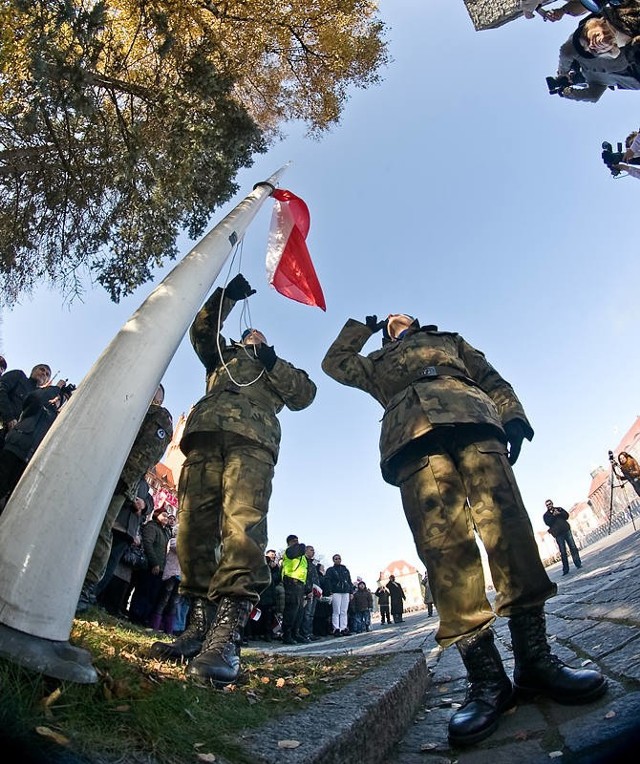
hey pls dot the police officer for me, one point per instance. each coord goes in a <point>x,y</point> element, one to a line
<point>452,427</point>
<point>231,441</point>
<point>151,442</point>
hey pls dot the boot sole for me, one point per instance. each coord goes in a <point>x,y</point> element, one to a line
<point>530,693</point>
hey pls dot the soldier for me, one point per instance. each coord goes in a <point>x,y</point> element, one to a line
<point>231,441</point>
<point>151,442</point>
<point>449,418</point>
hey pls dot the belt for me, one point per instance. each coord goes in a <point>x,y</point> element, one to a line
<point>431,372</point>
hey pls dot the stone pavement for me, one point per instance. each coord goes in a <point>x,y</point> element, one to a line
<point>594,619</point>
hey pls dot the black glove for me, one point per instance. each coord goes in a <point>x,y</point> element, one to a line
<point>266,355</point>
<point>373,323</point>
<point>238,288</point>
<point>514,429</point>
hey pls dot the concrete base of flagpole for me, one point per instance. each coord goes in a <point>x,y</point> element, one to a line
<point>45,656</point>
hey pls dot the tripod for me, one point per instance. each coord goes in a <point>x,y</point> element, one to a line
<point>622,484</point>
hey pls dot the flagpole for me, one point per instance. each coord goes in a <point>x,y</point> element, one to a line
<point>50,525</point>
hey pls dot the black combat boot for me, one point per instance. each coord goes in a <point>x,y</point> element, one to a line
<point>489,693</point>
<point>189,643</point>
<point>87,598</point>
<point>538,672</point>
<point>219,659</point>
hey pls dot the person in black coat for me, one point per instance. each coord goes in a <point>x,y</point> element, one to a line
<point>396,593</point>
<point>40,410</point>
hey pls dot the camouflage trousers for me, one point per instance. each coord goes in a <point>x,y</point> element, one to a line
<point>102,549</point>
<point>223,495</point>
<point>459,488</point>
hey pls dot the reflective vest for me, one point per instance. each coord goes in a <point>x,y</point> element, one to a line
<point>296,568</point>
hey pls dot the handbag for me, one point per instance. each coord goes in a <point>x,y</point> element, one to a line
<point>135,557</point>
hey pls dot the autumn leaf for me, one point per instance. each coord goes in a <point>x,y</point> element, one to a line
<point>280,682</point>
<point>303,691</point>
<point>288,743</point>
<point>265,679</point>
<point>52,735</point>
<point>206,757</point>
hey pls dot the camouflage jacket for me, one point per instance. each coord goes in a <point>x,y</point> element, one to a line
<point>415,405</point>
<point>250,407</point>
<point>151,442</point>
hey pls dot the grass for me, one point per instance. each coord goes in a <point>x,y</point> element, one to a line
<point>144,710</point>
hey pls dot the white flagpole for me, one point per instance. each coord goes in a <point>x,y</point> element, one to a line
<point>50,525</point>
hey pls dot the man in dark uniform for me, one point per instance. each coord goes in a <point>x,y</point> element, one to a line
<point>231,441</point>
<point>151,442</point>
<point>449,418</point>
<point>557,519</point>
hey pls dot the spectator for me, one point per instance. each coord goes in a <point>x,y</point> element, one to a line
<point>630,469</point>
<point>312,592</point>
<point>337,581</point>
<point>451,429</point>
<point>295,564</point>
<point>322,625</point>
<point>151,442</point>
<point>632,146</point>
<point>14,388</point>
<point>148,582</point>
<point>269,599</point>
<point>125,531</point>
<point>163,616</point>
<point>396,592</point>
<point>231,441</point>
<point>612,67</point>
<point>557,519</point>
<point>40,410</point>
<point>428,594</point>
<point>362,606</point>
<point>384,597</point>
<point>3,365</point>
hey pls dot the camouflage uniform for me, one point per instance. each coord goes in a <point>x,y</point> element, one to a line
<point>151,442</point>
<point>443,444</point>
<point>231,441</point>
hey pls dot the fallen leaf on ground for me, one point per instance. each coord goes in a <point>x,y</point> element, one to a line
<point>555,754</point>
<point>304,691</point>
<point>50,699</point>
<point>265,680</point>
<point>280,682</point>
<point>206,757</point>
<point>52,735</point>
<point>288,743</point>
<point>609,714</point>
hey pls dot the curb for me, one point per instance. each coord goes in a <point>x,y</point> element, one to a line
<point>358,723</point>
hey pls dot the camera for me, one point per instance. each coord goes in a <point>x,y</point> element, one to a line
<point>612,458</point>
<point>557,84</point>
<point>66,390</point>
<point>611,157</point>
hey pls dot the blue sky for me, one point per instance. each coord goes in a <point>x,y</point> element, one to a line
<point>457,191</point>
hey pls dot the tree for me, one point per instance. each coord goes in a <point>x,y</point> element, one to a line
<point>123,122</point>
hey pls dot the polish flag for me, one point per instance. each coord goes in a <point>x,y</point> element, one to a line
<point>289,267</point>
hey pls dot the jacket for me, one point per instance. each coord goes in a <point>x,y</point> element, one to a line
<point>415,405</point>
<point>128,521</point>
<point>382,593</point>
<point>14,388</point>
<point>558,521</point>
<point>337,580</point>
<point>155,538</point>
<point>362,600</point>
<point>38,414</point>
<point>251,410</point>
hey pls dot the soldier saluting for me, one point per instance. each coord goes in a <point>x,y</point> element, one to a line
<point>451,430</point>
<point>231,441</point>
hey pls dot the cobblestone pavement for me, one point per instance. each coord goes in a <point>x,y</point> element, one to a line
<point>594,618</point>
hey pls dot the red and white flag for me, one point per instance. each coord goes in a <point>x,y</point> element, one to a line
<point>289,267</point>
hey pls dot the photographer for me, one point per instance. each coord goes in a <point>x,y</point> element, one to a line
<point>629,469</point>
<point>632,145</point>
<point>604,61</point>
<point>557,519</point>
